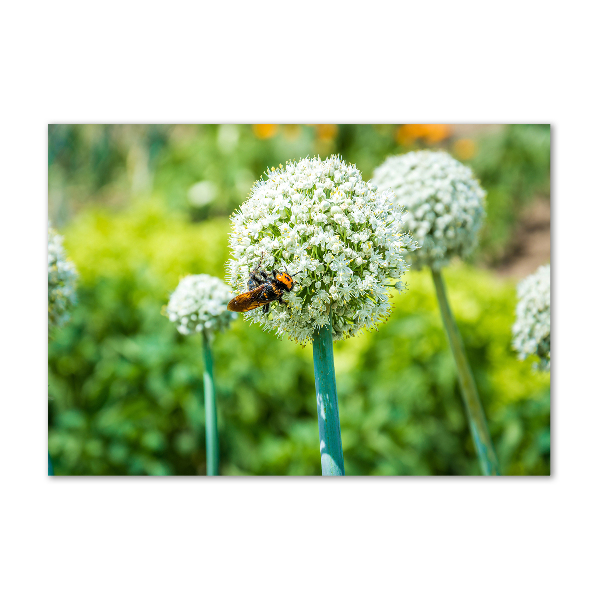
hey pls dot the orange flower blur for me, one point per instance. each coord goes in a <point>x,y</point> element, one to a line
<point>464,149</point>
<point>326,132</point>
<point>406,135</point>
<point>263,132</point>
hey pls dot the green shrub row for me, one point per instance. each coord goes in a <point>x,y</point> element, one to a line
<point>126,389</point>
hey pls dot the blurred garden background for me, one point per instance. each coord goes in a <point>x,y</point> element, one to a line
<point>141,206</point>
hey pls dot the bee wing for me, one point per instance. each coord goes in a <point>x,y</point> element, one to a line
<point>247,301</point>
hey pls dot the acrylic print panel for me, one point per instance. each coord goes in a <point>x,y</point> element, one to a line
<point>280,299</point>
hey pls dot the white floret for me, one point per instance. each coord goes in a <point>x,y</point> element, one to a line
<point>62,277</point>
<point>444,204</point>
<point>200,304</point>
<point>340,238</point>
<point>531,330</point>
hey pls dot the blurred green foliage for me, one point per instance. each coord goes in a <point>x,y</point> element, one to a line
<point>207,171</point>
<point>126,388</point>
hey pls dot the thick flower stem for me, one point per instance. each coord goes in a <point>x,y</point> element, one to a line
<point>475,415</point>
<point>210,411</point>
<point>332,458</point>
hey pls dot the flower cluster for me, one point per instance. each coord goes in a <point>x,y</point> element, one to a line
<point>531,331</point>
<point>200,304</point>
<point>61,281</point>
<point>338,236</point>
<point>443,200</point>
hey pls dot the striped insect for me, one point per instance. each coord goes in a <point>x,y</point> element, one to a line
<point>263,288</point>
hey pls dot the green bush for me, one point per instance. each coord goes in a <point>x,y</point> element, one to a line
<point>103,165</point>
<point>126,388</point>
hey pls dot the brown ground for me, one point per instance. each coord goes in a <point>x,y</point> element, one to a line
<point>532,242</point>
<point>531,245</point>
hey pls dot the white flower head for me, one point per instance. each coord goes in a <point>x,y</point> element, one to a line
<point>443,200</point>
<point>340,238</point>
<point>62,277</point>
<point>200,304</point>
<point>531,331</point>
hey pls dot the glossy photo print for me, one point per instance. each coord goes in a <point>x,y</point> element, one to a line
<point>299,299</point>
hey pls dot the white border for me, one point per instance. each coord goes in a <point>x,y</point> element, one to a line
<point>296,538</point>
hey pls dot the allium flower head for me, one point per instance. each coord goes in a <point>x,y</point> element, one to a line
<point>531,331</point>
<point>443,200</point>
<point>339,236</point>
<point>200,304</point>
<point>61,281</point>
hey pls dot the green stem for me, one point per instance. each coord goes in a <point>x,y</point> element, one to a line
<point>210,411</point>
<point>475,415</point>
<point>50,467</point>
<point>332,458</point>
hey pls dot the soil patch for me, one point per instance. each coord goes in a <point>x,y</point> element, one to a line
<point>531,246</point>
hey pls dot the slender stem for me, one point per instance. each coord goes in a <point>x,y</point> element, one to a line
<point>210,411</point>
<point>475,415</point>
<point>332,458</point>
<point>50,467</point>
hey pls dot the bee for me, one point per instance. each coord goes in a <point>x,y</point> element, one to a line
<point>262,290</point>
